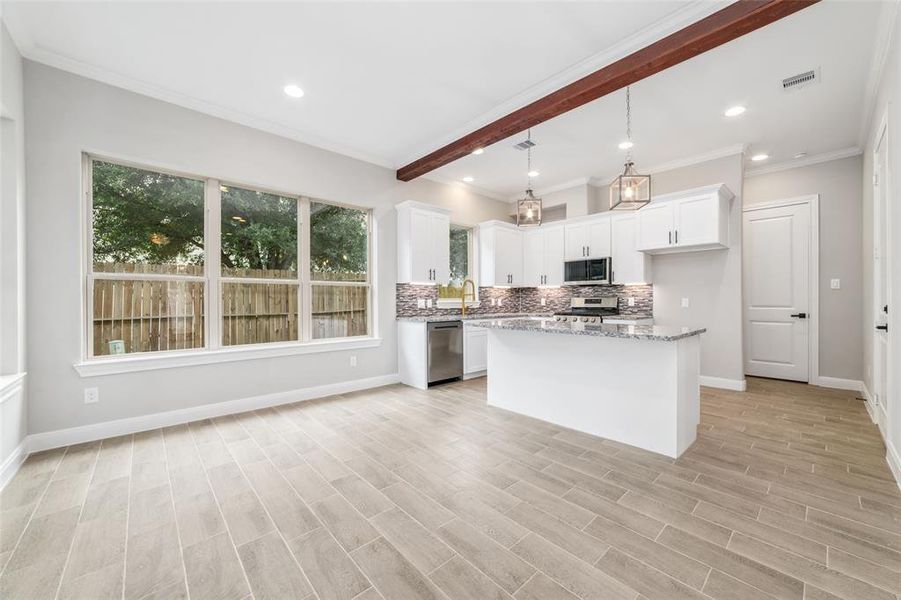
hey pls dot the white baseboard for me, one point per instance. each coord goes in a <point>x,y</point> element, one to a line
<point>98,431</point>
<point>839,383</point>
<point>738,385</point>
<point>894,461</point>
<point>12,463</point>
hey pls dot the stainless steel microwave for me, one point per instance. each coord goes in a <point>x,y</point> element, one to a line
<point>592,271</point>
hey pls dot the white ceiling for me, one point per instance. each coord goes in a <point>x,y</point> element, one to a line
<point>389,81</point>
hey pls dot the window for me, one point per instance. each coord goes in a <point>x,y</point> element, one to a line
<point>260,282</point>
<point>460,262</point>
<point>339,271</point>
<point>147,267</point>
<point>163,277</point>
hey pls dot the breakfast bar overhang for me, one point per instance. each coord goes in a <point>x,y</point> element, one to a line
<point>635,384</point>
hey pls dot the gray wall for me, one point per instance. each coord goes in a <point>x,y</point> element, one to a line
<point>841,311</point>
<point>711,280</point>
<point>69,114</point>
<point>13,409</point>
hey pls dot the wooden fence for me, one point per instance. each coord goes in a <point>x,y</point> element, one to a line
<point>154,315</point>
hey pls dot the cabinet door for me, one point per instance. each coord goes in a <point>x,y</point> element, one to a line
<point>533,248</point>
<point>599,238</point>
<point>576,240</point>
<point>439,230</point>
<point>697,221</point>
<point>421,247</point>
<point>475,350</point>
<point>553,256</point>
<point>655,226</point>
<point>629,265</point>
<point>510,248</point>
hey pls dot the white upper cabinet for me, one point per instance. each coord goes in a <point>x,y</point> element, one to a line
<point>629,265</point>
<point>423,243</point>
<point>500,254</point>
<point>588,238</point>
<point>695,219</point>
<point>543,256</point>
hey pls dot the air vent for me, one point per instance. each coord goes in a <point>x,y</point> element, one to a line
<point>800,80</point>
<point>524,145</point>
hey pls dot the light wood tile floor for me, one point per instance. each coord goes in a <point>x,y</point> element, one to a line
<point>396,493</point>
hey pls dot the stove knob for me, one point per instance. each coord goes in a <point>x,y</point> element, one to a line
<point>584,319</point>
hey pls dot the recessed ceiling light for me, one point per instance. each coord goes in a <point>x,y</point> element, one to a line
<point>533,173</point>
<point>468,179</point>
<point>734,111</point>
<point>294,91</point>
<point>478,151</point>
<point>760,157</point>
<point>625,145</point>
<point>800,155</point>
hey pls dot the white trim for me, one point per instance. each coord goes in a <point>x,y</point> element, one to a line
<point>10,384</point>
<point>99,431</point>
<point>894,461</point>
<point>738,385</point>
<point>150,361</point>
<point>12,463</point>
<point>813,276</point>
<point>813,159</point>
<point>840,384</point>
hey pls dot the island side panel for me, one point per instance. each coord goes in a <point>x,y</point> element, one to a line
<point>689,405</point>
<point>413,353</point>
<point>626,390</point>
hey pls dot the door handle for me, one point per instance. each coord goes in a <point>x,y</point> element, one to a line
<point>882,327</point>
<point>799,315</point>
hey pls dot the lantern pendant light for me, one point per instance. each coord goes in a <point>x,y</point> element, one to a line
<point>629,191</point>
<point>528,209</point>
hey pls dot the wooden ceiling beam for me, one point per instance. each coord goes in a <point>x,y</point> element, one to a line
<point>734,21</point>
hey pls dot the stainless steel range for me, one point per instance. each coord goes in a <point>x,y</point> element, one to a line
<point>589,310</point>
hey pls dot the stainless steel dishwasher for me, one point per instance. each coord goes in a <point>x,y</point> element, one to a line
<point>445,350</point>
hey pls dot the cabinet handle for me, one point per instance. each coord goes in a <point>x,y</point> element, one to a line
<point>677,236</point>
<point>670,237</point>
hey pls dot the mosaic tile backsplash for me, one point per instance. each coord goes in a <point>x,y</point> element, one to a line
<point>526,300</point>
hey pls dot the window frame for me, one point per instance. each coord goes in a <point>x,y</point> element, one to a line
<point>472,258</point>
<point>213,350</point>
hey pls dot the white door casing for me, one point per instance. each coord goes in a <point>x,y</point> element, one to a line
<point>777,279</point>
<point>881,271</point>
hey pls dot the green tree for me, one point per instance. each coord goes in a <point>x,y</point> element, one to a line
<point>259,230</point>
<point>338,242</point>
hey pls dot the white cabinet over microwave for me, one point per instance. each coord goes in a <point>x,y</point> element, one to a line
<point>691,220</point>
<point>500,254</point>
<point>588,238</point>
<point>423,243</point>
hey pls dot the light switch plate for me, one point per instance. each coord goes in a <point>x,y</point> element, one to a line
<point>428,303</point>
<point>420,303</point>
<point>835,284</point>
<point>631,301</point>
<point>544,302</point>
<point>685,303</point>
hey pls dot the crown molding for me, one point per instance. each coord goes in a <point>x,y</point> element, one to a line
<point>673,22</point>
<point>52,59</point>
<point>814,159</point>
<point>883,41</point>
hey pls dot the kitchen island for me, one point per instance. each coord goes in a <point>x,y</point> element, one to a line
<point>635,384</point>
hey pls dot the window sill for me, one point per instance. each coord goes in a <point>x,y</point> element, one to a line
<point>455,303</point>
<point>170,360</point>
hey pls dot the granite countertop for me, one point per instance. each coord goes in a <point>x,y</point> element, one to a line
<point>635,332</point>
<point>472,317</point>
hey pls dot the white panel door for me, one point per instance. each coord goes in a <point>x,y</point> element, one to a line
<point>599,239</point>
<point>696,221</point>
<point>533,258</point>
<point>553,256</point>
<point>439,229</point>
<point>776,291</point>
<point>576,240</point>
<point>881,270</point>
<point>421,246</point>
<point>655,226</point>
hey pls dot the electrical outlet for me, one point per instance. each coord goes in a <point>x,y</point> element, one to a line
<point>500,301</point>
<point>631,301</point>
<point>685,303</point>
<point>493,302</point>
<point>353,360</point>
<point>91,395</point>
<point>428,303</point>
<point>420,303</point>
<point>544,302</point>
<point>835,284</point>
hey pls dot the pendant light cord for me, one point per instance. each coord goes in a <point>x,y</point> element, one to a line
<point>628,124</point>
<point>529,154</point>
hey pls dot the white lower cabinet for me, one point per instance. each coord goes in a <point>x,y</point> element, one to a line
<point>475,349</point>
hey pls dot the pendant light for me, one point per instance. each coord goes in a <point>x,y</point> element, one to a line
<point>629,191</point>
<point>528,209</point>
